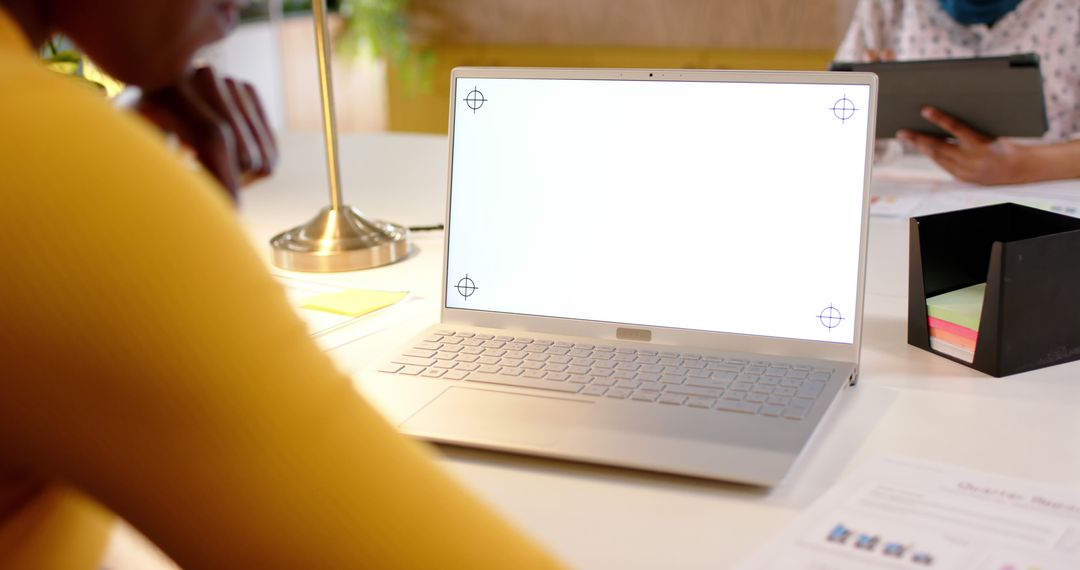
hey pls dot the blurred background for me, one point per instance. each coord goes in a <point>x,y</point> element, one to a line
<point>393,57</point>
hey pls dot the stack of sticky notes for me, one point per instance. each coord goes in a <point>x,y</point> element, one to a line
<point>954,321</point>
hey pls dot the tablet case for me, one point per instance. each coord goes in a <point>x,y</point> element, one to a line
<point>998,96</point>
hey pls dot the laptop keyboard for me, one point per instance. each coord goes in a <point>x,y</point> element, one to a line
<point>774,389</point>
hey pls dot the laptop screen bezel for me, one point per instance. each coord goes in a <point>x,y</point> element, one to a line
<point>665,336</point>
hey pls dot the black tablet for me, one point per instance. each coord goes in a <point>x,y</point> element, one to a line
<point>999,96</point>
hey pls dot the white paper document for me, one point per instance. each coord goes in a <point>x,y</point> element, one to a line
<point>908,513</point>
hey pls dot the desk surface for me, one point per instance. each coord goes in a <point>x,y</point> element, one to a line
<point>907,402</point>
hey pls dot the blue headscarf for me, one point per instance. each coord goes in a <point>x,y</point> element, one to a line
<point>987,12</point>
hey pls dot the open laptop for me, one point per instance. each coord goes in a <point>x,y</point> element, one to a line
<point>655,269</point>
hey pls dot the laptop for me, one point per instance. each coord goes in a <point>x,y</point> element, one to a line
<point>652,269</point>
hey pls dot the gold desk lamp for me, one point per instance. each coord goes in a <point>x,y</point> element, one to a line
<point>339,238</point>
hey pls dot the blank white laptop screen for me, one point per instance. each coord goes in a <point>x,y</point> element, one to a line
<point>715,206</point>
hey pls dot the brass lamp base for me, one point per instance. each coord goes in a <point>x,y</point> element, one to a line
<point>340,240</point>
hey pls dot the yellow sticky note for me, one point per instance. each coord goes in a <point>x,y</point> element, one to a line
<point>353,302</point>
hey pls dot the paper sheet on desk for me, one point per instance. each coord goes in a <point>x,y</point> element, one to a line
<point>897,198</point>
<point>908,513</point>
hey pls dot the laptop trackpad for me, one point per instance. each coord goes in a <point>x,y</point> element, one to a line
<point>490,417</point>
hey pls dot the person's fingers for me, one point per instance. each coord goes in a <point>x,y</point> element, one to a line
<point>259,130</point>
<point>956,127</point>
<point>946,155</point>
<point>261,111</point>
<point>931,146</point>
<point>872,55</point>
<point>217,95</point>
<point>199,128</point>
<point>888,55</point>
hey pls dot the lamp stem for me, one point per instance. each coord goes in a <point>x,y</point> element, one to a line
<point>326,87</point>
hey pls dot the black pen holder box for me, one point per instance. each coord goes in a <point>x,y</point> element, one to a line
<point>1030,262</point>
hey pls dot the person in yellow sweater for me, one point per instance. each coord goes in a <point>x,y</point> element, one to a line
<point>151,367</point>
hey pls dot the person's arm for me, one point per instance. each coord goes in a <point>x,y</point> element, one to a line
<point>974,157</point>
<point>151,361</point>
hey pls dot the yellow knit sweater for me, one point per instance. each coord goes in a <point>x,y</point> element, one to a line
<point>148,361</point>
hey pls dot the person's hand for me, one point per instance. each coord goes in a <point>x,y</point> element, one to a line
<point>221,120</point>
<point>972,156</point>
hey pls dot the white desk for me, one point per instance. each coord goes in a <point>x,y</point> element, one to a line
<point>908,401</point>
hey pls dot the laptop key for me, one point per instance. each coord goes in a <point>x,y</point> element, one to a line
<point>594,390</point>
<point>691,391</point>
<point>391,368</point>
<point>414,361</point>
<point>707,383</point>
<point>645,395</point>
<point>741,407</point>
<point>674,399</point>
<point>771,410</point>
<point>794,413</point>
<point>620,393</point>
<point>433,372</point>
<point>522,382</point>
<point>411,370</point>
<point>810,389</point>
<point>699,402</point>
<point>455,375</point>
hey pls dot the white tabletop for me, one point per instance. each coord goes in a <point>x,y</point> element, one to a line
<point>908,401</point>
